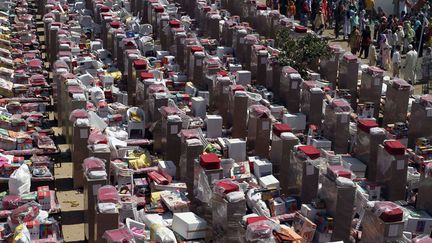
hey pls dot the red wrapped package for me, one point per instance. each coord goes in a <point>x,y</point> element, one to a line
<point>226,186</point>
<point>96,137</point>
<point>365,125</point>
<point>25,213</point>
<point>108,194</point>
<point>394,147</point>
<point>336,171</point>
<point>388,211</point>
<point>158,178</point>
<point>11,202</point>
<point>210,161</point>
<point>93,164</point>
<point>310,151</point>
<point>278,129</point>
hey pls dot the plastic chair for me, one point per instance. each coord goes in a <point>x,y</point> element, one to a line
<point>136,125</point>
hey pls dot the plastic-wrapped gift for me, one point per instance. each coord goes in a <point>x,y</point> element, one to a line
<point>108,194</point>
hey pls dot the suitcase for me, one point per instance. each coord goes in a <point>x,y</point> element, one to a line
<point>278,129</point>
<point>388,211</point>
<point>310,151</point>
<point>336,171</point>
<point>365,125</point>
<point>210,161</point>
<point>394,147</point>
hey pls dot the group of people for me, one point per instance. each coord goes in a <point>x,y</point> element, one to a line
<point>371,33</point>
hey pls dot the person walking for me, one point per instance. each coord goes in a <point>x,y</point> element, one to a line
<point>354,40</point>
<point>339,15</point>
<point>372,55</point>
<point>410,65</point>
<point>365,42</point>
<point>409,35</point>
<point>319,24</point>
<point>396,61</point>
<point>304,13</point>
<point>291,9</point>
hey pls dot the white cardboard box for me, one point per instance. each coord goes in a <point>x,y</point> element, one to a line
<point>243,77</point>
<point>168,166</point>
<point>419,225</point>
<point>321,143</point>
<point>237,149</point>
<point>189,225</point>
<point>269,182</point>
<point>296,121</point>
<point>262,168</point>
<point>214,126</point>
<point>199,107</point>
<point>310,212</point>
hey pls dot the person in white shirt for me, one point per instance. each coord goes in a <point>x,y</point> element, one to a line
<point>410,65</point>
<point>396,61</point>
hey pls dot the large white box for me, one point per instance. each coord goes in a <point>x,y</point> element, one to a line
<point>321,143</point>
<point>199,107</point>
<point>310,212</point>
<point>420,223</point>
<point>189,226</point>
<point>237,149</point>
<point>243,77</point>
<point>214,126</point>
<point>355,165</point>
<point>296,121</point>
<point>262,168</point>
<point>269,182</point>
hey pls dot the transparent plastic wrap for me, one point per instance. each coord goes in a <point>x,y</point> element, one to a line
<point>24,213</point>
<point>422,239</point>
<point>108,194</point>
<point>97,137</point>
<point>340,105</point>
<point>261,231</point>
<point>339,200</point>
<point>303,176</point>
<point>202,189</point>
<point>376,230</point>
<point>226,217</point>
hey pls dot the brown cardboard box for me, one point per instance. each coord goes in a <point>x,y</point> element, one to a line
<point>366,149</point>
<point>396,104</point>
<point>392,173</point>
<point>280,156</point>
<point>104,222</point>
<point>348,76</point>
<point>371,87</point>
<point>91,186</point>
<point>239,114</point>
<point>339,202</point>
<point>420,120</point>
<point>79,153</point>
